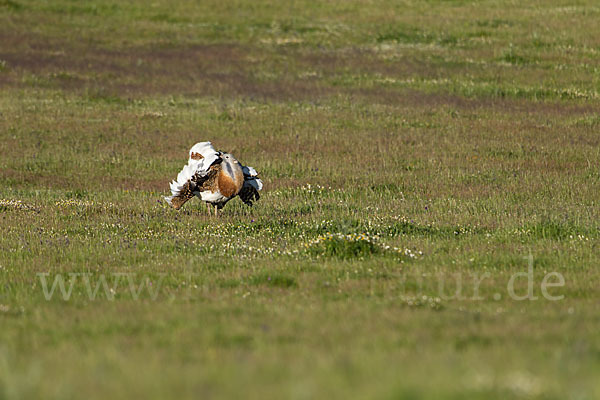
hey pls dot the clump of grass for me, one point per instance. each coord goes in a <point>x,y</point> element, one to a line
<point>11,5</point>
<point>276,279</point>
<point>353,246</point>
<point>511,57</point>
<point>403,34</point>
<point>76,194</point>
<point>494,23</point>
<point>557,230</point>
<point>588,121</point>
<point>102,95</point>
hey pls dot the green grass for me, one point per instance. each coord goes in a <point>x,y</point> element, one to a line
<point>414,154</point>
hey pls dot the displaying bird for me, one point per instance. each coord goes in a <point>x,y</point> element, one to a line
<point>215,177</point>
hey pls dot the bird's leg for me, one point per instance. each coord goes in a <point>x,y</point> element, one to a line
<point>216,211</point>
<point>208,207</point>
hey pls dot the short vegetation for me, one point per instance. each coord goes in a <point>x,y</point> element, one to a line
<point>416,155</point>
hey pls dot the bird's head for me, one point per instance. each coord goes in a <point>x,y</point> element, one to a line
<point>229,158</point>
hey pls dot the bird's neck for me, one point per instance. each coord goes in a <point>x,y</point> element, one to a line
<point>231,179</point>
<point>233,170</point>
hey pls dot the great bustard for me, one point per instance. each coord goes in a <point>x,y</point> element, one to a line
<point>215,177</point>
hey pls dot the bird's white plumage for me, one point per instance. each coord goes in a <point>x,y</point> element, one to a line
<point>251,178</point>
<point>212,197</point>
<point>193,167</point>
<point>206,150</point>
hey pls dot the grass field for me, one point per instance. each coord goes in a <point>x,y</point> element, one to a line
<point>416,156</point>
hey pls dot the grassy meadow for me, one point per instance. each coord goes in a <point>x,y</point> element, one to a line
<point>416,155</point>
